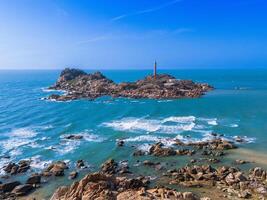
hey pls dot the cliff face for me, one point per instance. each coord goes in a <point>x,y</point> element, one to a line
<point>79,84</point>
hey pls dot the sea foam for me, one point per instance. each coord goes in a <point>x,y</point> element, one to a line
<point>171,125</point>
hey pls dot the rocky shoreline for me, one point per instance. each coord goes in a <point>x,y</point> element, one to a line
<point>116,180</point>
<point>80,85</point>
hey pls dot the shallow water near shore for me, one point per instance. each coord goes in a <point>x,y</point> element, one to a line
<point>34,128</point>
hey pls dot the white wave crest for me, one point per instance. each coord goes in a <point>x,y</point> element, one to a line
<point>186,119</point>
<point>153,125</point>
<point>23,133</point>
<point>37,163</point>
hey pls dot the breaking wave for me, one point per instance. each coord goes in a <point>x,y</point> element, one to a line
<point>171,125</point>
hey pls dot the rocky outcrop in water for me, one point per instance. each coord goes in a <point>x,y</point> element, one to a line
<point>79,84</point>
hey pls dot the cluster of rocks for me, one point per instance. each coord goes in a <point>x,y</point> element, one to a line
<point>212,148</point>
<point>79,84</point>
<point>158,149</point>
<point>229,179</point>
<point>13,189</point>
<point>107,185</point>
<point>16,168</point>
<point>55,169</point>
<point>214,144</point>
<point>111,167</point>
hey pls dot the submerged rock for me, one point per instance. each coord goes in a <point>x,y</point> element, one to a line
<point>79,84</point>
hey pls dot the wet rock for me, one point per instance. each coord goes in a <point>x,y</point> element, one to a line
<point>73,175</point>
<point>74,137</point>
<point>109,167</point>
<point>22,190</point>
<point>21,167</point>
<point>8,187</point>
<point>240,139</point>
<point>56,169</point>
<point>80,164</point>
<point>79,84</point>
<point>159,150</point>
<point>34,179</point>
<point>149,163</point>
<point>120,143</point>
<point>9,167</point>
<point>241,162</point>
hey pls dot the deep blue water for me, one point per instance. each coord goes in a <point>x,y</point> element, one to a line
<point>34,128</point>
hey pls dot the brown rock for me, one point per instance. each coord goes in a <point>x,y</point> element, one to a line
<point>34,179</point>
<point>73,175</point>
<point>22,190</point>
<point>8,187</point>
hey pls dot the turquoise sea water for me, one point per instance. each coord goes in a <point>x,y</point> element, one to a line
<point>34,128</point>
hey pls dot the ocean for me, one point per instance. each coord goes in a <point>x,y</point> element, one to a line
<point>34,128</point>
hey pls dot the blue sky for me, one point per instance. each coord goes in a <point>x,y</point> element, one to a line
<point>123,34</point>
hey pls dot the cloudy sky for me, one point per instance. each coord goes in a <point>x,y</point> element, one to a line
<point>124,34</point>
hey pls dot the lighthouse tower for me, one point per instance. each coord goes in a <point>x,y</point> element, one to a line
<point>155,70</point>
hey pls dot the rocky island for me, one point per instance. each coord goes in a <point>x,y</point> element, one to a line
<point>78,85</point>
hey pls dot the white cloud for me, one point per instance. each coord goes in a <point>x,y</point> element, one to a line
<point>149,10</point>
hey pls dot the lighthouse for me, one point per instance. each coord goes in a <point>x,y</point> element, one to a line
<point>155,69</point>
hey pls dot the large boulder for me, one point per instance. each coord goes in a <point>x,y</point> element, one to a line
<point>8,187</point>
<point>34,179</point>
<point>22,190</point>
<point>56,169</point>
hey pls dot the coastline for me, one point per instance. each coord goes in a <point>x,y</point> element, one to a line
<point>259,160</point>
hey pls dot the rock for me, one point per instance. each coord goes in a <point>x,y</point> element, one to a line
<point>9,167</point>
<point>56,169</point>
<point>241,162</point>
<point>79,84</point>
<point>109,167</point>
<point>22,190</point>
<point>240,139</point>
<point>244,194</point>
<point>148,163</point>
<point>74,137</point>
<point>258,173</point>
<point>80,164</point>
<point>188,196</point>
<point>8,187</point>
<point>34,179</point>
<point>73,175</point>
<point>120,143</point>
<point>159,150</point>
<point>21,167</point>
<point>14,169</point>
